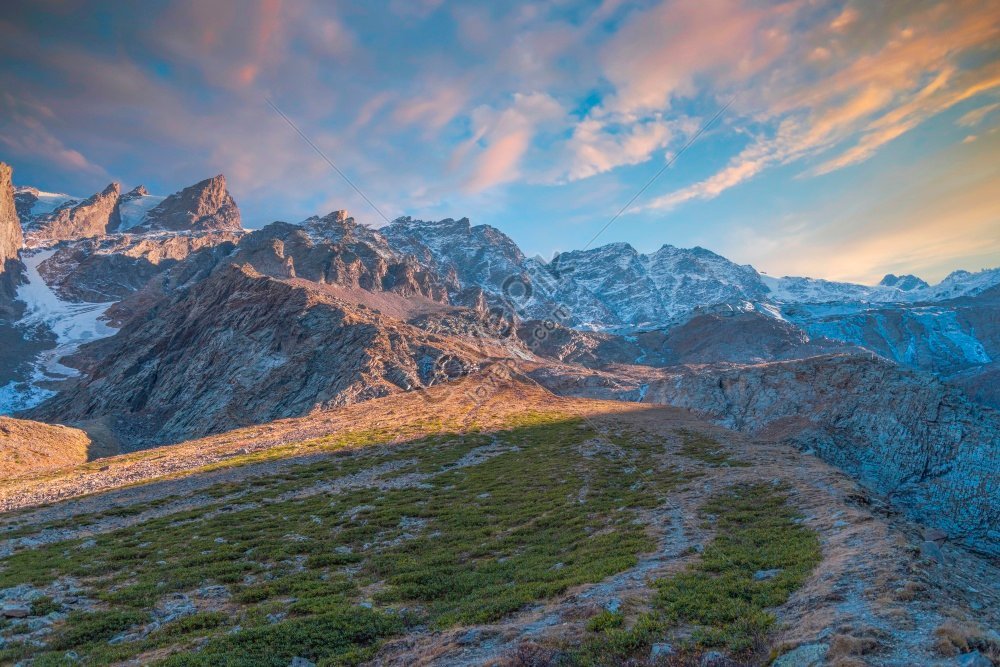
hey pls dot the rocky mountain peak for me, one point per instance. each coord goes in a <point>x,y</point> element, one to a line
<point>204,206</point>
<point>135,193</point>
<point>906,282</point>
<point>71,219</point>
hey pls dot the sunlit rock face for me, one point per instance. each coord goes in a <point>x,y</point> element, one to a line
<point>204,206</point>
<point>11,241</point>
<point>93,216</point>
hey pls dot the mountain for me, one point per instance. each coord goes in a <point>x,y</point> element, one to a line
<point>328,312</point>
<point>906,283</point>
<point>302,324</point>
<point>613,286</point>
<point>33,203</point>
<point>93,216</point>
<point>649,290</point>
<point>133,207</point>
<point>204,206</point>
<point>891,289</point>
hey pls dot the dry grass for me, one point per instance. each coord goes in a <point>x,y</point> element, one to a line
<point>28,446</point>
<point>954,637</point>
<point>846,647</point>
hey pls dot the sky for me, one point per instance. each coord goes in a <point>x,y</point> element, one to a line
<point>850,140</point>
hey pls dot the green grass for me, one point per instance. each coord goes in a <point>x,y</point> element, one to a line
<point>717,602</point>
<point>346,570</point>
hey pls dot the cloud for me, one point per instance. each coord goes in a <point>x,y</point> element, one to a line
<point>925,218</point>
<point>25,133</point>
<point>976,116</point>
<point>660,53</point>
<point>881,76</point>
<point>500,138</point>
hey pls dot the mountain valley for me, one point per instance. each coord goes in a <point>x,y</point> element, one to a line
<point>439,450</point>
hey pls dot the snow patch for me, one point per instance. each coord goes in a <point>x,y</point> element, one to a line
<point>134,211</point>
<point>73,324</point>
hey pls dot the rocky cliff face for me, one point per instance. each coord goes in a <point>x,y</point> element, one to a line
<point>204,206</point>
<point>301,323</point>
<point>238,348</point>
<point>956,338</point>
<point>11,241</point>
<point>110,268</point>
<point>74,220</point>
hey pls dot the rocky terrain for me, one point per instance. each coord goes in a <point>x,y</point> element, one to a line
<point>301,324</point>
<point>147,320</point>
<point>93,216</point>
<point>110,268</point>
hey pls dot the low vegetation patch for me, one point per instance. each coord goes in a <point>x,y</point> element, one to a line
<point>326,560</point>
<point>759,556</point>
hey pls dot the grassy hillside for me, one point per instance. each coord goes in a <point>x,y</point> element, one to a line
<point>520,530</point>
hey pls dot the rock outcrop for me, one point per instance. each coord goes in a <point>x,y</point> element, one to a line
<point>239,348</point>
<point>204,206</point>
<point>110,268</point>
<point>94,216</point>
<point>11,241</point>
<point>28,447</point>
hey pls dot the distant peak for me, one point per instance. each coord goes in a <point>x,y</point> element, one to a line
<point>905,282</point>
<point>136,192</point>
<point>112,189</point>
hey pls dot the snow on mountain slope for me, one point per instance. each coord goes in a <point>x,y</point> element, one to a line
<point>134,206</point>
<point>32,202</point>
<point>903,289</point>
<point>72,324</point>
<point>650,290</point>
<point>930,337</point>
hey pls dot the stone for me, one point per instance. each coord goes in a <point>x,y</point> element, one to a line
<point>714,659</point>
<point>468,637</point>
<point>932,551</point>
<point>15,611</point>
<point>935,535</point>
<point>974,659</point>
<point>660,650</point>
<point>204,206</point>
<point>93,216</point>
<point>763,575</point>
<point>301,662</point>
<point>806,655</point>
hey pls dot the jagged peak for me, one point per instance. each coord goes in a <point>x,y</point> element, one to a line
<point>338,217</point>
<point>113,188</point>
<point>616,247</point>
<point>904,282</point>
<point>136,192</point>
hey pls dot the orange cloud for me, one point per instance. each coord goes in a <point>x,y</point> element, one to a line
<point>886,79</point>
